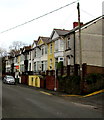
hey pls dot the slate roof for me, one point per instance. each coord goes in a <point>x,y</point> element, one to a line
<point>61,32</point>
<point>45,39</point>
<point>26,48</point>
<point>49,40</point>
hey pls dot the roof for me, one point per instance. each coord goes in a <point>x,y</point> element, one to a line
<point>45,39</point>
<point>61,32</point>
<point>49,40</point>
<point>26,48</point>
<point>84,25</point>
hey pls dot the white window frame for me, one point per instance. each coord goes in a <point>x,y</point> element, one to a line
<point>68,43</point>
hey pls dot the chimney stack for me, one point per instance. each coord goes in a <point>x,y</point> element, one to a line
<point>75,24</point>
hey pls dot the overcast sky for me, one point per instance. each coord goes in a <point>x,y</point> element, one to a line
<point>16,12</point>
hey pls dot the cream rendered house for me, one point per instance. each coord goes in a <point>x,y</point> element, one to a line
<point>38,55</point>
<point>92,38</point>
<point>41,49</point>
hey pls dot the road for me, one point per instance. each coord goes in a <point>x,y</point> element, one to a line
<point>25,102</point>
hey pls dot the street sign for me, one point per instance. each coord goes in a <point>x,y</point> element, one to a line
<point>17,67</point>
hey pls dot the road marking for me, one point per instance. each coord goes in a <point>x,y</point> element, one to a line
<point>94,93</point>
<point>45,93</point>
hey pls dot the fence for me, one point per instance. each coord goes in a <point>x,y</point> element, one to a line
<point>68,70</point>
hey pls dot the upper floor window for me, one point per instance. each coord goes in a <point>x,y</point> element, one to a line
<point>42,50</point>
<point>30,67</point>
<point>51,48</point>
<point>21,57</point>
<point>38,52</point>
<point>61,43</point>
<point>35,53</point>
<point>56,45</point>
<point>45,49</point>
<point>68,43</point>
<point>35,66</point>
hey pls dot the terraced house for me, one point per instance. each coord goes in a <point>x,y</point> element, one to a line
<point>38,55</point>
<point>32,57</point>
<point>92,46</point>
<point>42,44</point>
<point>56,47</point>
<point>62,45</point>
<point>50,55</point>
<point>24,58</point>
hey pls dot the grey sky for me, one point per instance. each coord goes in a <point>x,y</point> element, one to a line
<point>15,12</point>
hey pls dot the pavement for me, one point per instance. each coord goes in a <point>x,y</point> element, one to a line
<point>95,99</point>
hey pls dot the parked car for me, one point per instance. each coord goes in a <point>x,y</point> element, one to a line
<point>9,79</point>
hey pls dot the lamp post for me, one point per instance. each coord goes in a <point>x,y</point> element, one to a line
<point>55,88</point>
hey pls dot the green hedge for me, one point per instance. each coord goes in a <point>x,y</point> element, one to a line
<point>95,81</point>
<point>69,84</point>
<point>59,65</point>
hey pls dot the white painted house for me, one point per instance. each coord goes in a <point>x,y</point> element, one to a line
<point>58,37</point>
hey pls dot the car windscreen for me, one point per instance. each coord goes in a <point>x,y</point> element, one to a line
<point>10,77</point>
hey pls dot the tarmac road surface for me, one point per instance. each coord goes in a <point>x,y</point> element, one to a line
<point>23,102</point>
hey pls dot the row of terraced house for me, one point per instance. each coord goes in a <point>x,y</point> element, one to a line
<point>61,46</point>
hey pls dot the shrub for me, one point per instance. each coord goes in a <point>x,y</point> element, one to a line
<point>69,84</point>
<point>93,77</point>
<point>59,65</point>
<point>95,81</point>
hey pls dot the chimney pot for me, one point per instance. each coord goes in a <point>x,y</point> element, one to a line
<point>75,24</point>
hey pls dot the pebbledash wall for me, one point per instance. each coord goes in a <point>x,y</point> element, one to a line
<point>92,46</point>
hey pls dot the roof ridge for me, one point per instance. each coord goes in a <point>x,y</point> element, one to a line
<point>61,29</point>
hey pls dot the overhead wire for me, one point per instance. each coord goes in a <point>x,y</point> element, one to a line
<point>39,17</point>
<point>88,13</point>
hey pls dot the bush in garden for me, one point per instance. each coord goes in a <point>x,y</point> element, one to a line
<point>95,81</point>
<point>69,84</point>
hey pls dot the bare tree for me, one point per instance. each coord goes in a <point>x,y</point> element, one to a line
<point>16,45</point>
<point>3,52</point>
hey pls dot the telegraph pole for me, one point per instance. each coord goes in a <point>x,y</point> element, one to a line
<point>80,47</point>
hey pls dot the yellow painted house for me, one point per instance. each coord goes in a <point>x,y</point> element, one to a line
<point>51,59</point>
<point>40,41</point>
<point>56,48</point>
